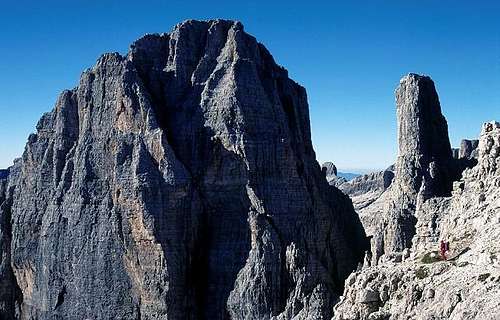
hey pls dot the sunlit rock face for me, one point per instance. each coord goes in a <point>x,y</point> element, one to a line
<point>369,194</point>
<point>423,285</point>
<point>176,182</point>
<point>468,149</point>
<point>425,167</point>
<point>433,198</point>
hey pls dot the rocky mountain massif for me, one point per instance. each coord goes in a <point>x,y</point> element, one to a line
<point>179,182</point>
<point>176,182</point>
<point>433,197</point>
<point>368,195</point>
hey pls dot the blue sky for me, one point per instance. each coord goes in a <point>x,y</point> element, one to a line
<point>349,55</point>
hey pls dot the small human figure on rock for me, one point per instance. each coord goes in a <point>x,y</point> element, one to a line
<point>443,248</point>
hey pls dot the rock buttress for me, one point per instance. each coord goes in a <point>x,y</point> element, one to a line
<point>424,168</point>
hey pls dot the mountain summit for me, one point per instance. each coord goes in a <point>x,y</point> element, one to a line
<point>176,182</point>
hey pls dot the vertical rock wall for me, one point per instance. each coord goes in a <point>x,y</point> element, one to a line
<point>424,167</point>
<point>178,182</point>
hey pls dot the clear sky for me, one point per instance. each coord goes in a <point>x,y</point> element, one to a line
<point>349,55</point>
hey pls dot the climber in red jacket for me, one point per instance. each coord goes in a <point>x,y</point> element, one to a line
<point>443,248</point>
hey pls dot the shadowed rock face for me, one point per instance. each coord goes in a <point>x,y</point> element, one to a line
<point>179,182</point>
<point>4,173</point>
<point>9,290</point>
<point>424,168</point>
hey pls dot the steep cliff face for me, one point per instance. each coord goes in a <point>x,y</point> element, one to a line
<point>178,181</point>
<point>4,174</point>
<point>9,290</point>
<point>7,299</point>
<point>425,167</point>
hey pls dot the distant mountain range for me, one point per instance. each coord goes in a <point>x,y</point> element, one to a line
<point>348,175</point>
